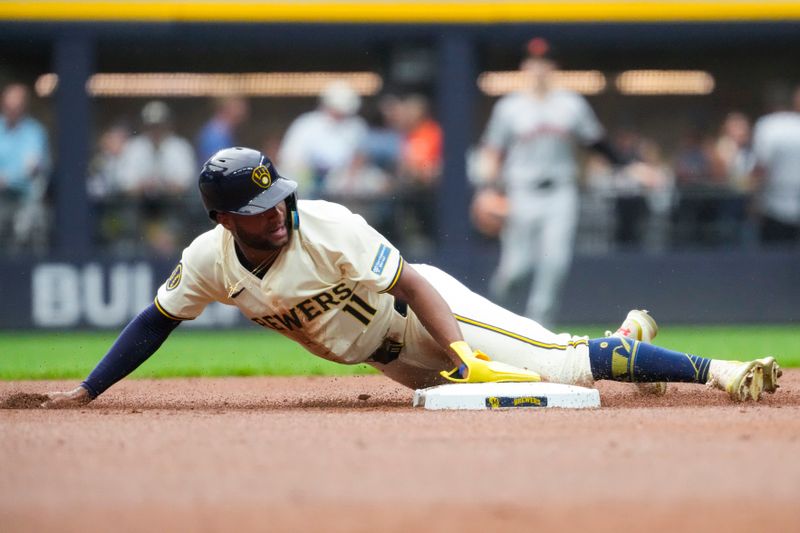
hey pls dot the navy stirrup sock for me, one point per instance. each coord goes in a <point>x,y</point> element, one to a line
<point>622,359</point>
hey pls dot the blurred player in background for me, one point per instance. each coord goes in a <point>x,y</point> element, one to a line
<point>776,143</point>
<point>529,150</point>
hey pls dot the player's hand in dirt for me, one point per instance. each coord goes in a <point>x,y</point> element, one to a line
<point>74,398</point>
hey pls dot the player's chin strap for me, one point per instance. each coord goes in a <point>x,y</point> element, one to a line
<point>477,367</point>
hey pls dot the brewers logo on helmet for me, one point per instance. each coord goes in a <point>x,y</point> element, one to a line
<point>261,177</point>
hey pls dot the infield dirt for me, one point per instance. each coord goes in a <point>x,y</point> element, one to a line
<point>351,454</point>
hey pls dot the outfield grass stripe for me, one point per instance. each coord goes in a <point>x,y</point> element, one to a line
<point>72,355</point>
<point>184,354</point>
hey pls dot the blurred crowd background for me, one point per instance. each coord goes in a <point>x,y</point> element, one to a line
<point>711,182</point>
<point>389,120</point>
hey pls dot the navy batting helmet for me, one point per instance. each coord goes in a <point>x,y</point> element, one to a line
<point>244,181</point>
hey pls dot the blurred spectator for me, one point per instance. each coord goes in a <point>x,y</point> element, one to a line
<point>156,173</point>
<point>733,152</point>
<point>694,161</point>
<point>219,132</point>
<point>419,170</point>
<point>699,188</point>
<point>384,140</point>
<point>629,203</point>
<point>657,179</point>
<point>105,190</point>
<point>734,164</point>
<point>157,162</point>
<point>382,148</point>
<point>640,194</point>
<point>324,140</point>
<point>24,168</point>
<point>364,188</point>
<point>776,143</point>
<point>367,185</point>
<point>421,159</point>
<point>105,167</point>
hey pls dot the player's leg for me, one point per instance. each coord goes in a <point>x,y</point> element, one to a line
<point>640,326</point>
<point>624,359</point>
<point>563,358</point>
<point>517,251</point>
<point>505,336</point>
<point>553,254</point>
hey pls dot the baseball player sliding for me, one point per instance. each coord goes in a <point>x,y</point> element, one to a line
<point>318,274</point>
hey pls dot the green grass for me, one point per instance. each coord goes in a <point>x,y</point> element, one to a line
<point>728,342</point>
<point>185,353</point>
<point>72,355</point>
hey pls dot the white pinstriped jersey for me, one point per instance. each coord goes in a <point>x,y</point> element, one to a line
<point>326,289</point>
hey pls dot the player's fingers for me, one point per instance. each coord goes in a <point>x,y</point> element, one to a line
<point>53,399</point>
<point>457,375</point>
<point>73,398</point>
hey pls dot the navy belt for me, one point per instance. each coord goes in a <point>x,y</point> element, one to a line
<point>389,350</point>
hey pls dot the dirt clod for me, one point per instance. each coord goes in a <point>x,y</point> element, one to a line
<point>24,400</point>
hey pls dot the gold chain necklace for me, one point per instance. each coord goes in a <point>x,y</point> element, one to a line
<point>261,267</point>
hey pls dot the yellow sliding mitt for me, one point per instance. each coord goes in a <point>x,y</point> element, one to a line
<point>477,367</point>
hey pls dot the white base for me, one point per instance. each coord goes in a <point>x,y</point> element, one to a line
<point>476,396</point>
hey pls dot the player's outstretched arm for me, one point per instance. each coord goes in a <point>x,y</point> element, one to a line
<point>138,341</point>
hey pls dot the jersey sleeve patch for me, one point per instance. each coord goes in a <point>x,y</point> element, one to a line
<point>175,278</point>
<point>380,259</point>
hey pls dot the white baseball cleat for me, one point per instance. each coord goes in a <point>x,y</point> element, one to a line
<point>771,374</point>
<point>741,380</point>
<point>640,326</point>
